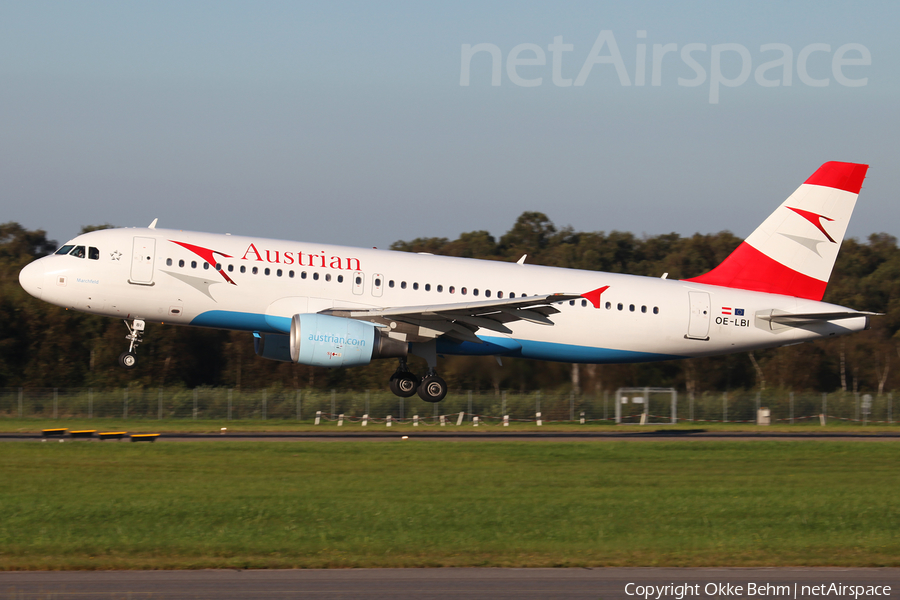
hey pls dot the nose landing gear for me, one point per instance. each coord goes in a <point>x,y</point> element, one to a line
<point>135,331</point>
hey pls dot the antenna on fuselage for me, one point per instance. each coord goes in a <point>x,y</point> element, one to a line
<point>153,224</point>
<point>521,261</point>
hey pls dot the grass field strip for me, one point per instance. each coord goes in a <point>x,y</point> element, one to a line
<point>299,504</point>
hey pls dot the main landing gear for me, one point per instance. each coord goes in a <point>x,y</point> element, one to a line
<point>135,331</point>
<point>431,387</point>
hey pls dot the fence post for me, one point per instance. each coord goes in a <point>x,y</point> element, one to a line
<point>91,403</point>
<point>724,407</point>
<point>160,402</point>
<point>265,403</point>
<point>55,403</point>
<point>890,408</point>
<point>470,404</point>
<point>503,402</point>
<point>21,393</point>
<point>332,403</point>
<point>691,405</point>
<point>605,405</point>
<point>195,404</point>
<point>825,404</point>
<point>674,408</point>
<point>298,393</point>
<point>537,402</point>
<point>367,402</point>
<point>792,408</point>
<point>571,406</point>
<point>401,408</point>
<point>125,405</point>
<point>758,394</point>
<point>856,401</point>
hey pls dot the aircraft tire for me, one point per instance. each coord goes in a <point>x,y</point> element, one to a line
<point>404,384</point>
<point>127,360</point>
<point>432,388</point>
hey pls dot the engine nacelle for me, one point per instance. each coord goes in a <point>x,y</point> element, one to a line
<point>326,341</point>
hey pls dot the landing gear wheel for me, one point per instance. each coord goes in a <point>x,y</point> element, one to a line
<point>127,360</point>
<point>404,384</point>
<point>135,331</point>
<point>432,388</point>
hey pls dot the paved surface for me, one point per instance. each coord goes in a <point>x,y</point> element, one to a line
<point>440,584</point>
<point>376,436</point>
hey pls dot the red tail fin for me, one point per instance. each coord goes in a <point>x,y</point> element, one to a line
<point>794,250</point>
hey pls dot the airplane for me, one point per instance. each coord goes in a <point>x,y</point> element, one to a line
<point>337,306</point>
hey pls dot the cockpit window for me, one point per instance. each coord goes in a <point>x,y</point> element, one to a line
<point>65,249</point>
<point>93,253</point>
<point>78,252</point>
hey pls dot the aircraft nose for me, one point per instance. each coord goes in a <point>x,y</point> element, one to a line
<point>31,278</point>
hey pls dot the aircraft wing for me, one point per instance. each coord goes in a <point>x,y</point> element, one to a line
<point>459,321</point>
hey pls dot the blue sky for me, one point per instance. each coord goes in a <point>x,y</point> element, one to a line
<point>346,122</point>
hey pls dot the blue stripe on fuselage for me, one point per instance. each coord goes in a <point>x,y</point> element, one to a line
<point>241,321</point>
<point>503,346</point>
<point>549,351</point>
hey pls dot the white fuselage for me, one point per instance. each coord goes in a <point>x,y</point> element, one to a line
<point>171,276</point>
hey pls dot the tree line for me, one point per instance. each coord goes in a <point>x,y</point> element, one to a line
<point>42,345</point>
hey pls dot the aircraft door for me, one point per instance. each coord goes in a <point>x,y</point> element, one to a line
<point>142,254</point>
<point>377,283</point>
<point>359,281</point>
<point>698,327</point>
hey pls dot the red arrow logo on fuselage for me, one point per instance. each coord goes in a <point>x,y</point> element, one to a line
<point>207,255</point>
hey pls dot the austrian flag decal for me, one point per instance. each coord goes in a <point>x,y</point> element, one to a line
<point>737,312</point>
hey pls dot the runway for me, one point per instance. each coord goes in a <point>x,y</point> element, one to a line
<point>464,436</point>
<point>441,584</point>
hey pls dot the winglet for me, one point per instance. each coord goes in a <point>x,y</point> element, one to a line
<point>594,296</point>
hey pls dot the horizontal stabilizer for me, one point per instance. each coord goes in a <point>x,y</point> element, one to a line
<point>800,318</point>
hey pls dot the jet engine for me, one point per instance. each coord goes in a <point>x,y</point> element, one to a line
<point>326,341</point>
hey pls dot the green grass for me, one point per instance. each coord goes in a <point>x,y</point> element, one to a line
<point>414,504</point>
<point>30,425</point>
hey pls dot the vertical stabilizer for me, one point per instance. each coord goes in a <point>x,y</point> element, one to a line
<point>794,250</point>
